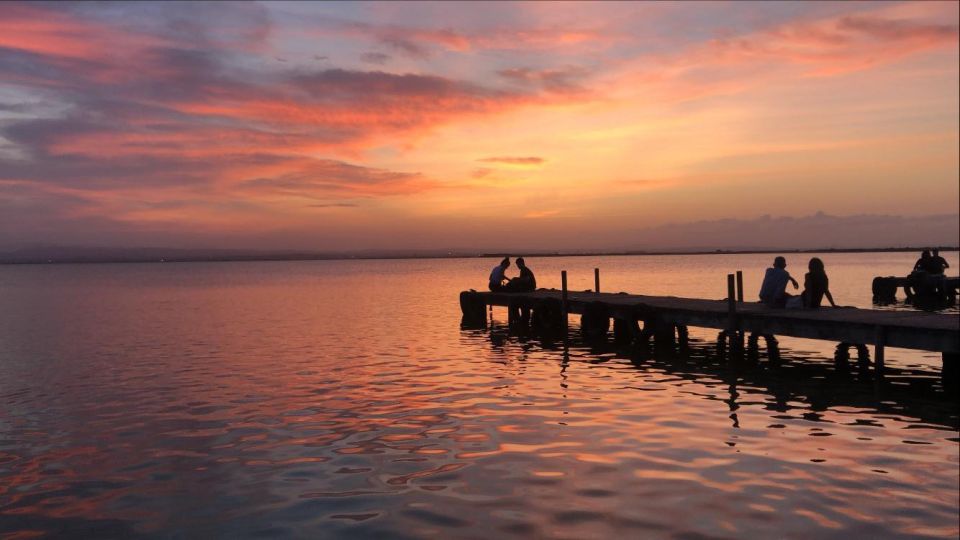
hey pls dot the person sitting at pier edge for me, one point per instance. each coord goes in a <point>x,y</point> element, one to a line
<point>773,291</point>
<point>938,265</point>
<point>923,263</point>
<point>816,285</point>
<point>525,282</point>
<point>497,276</point>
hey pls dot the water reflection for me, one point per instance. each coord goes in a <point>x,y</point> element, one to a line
<point>245,400</point>
<point>803,409</point>
<point>818,383</point>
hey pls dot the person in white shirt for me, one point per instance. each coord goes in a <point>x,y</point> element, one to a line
<point>497,276</point>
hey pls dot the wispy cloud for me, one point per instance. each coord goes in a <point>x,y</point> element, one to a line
<point>375,58</point>
<point>422,42</point>
<point>540,214</point>
<point>513,160</point>
<point>333,205</point>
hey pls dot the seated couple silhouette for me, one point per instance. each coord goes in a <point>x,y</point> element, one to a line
<point>525,282</point>
<point>816,285</point>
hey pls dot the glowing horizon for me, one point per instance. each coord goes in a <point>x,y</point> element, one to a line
<point>407,125</point>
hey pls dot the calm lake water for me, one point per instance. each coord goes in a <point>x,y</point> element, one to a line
<point>342,399</point>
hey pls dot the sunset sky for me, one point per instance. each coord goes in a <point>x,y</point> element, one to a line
<point>341,126</point>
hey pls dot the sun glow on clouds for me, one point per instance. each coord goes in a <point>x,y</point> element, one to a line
<point>361,125</point>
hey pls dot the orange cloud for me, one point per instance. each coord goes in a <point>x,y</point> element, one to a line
<point>514,160</point>
<point>540,214</point>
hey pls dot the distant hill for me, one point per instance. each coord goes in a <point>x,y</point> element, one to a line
<point>77,254</point>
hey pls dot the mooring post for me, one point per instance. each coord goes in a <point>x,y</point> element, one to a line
<point>731,304</point>
<point>563,285</point>
<point>740,286</point>
<point>596,280</point>
<point>878,346</point>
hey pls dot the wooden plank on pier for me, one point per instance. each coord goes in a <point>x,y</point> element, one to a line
<point>906,329</point>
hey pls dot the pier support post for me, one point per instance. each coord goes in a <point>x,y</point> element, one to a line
<point>773,348</point>
<point>547,318</point>
<point>641,337</point>
<point>880,344</point>
<point>663,338</point>
<point>841,357</point>
<point>595,321</point>
<point>474,310</point>
<point>625,331</point>
<point>730,342</point>
<point>753,347</point>
<point>722,342</point>
<point>683,337</point>
<point>518,315</point>
<point>863,357</point>
<point>596,280</point>
<point>950,371</point>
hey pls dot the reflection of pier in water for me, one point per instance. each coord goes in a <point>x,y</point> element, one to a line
<point>821,384</point>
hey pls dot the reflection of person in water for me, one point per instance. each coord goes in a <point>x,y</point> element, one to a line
<point>525,282</point>
<point>773,291</point>
<point>497,276</point>
<point>816,285</point>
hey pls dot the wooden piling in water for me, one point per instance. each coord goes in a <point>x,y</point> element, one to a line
<point>731,304</point>
<point>596,280</point>
<point>563,284</point>
<point>740,286</point>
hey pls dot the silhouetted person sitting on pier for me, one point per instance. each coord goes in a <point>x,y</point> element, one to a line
<point>773,291</point>
<point>525,282</point>
<point>927,285</point>
<point>923,263</point>
<point>938,265</point>
<point>497,276</point>
<point>816,285</point>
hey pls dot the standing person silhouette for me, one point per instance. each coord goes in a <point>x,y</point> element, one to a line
<point>497,276</point>
<point>816,285</point>
<point>773,291</point>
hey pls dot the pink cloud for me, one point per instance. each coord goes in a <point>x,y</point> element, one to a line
<point>513,160</point>
<point>833,46</point>
<point>824,47</point>
<point>418,42</point>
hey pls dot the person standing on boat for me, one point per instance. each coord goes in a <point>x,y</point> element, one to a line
<point>497,275</point>
<point>773,291</point>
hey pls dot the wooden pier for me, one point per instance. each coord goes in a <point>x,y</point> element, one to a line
<point>666,318</point>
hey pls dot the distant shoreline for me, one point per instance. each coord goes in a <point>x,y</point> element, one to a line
<point>11,259</point>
